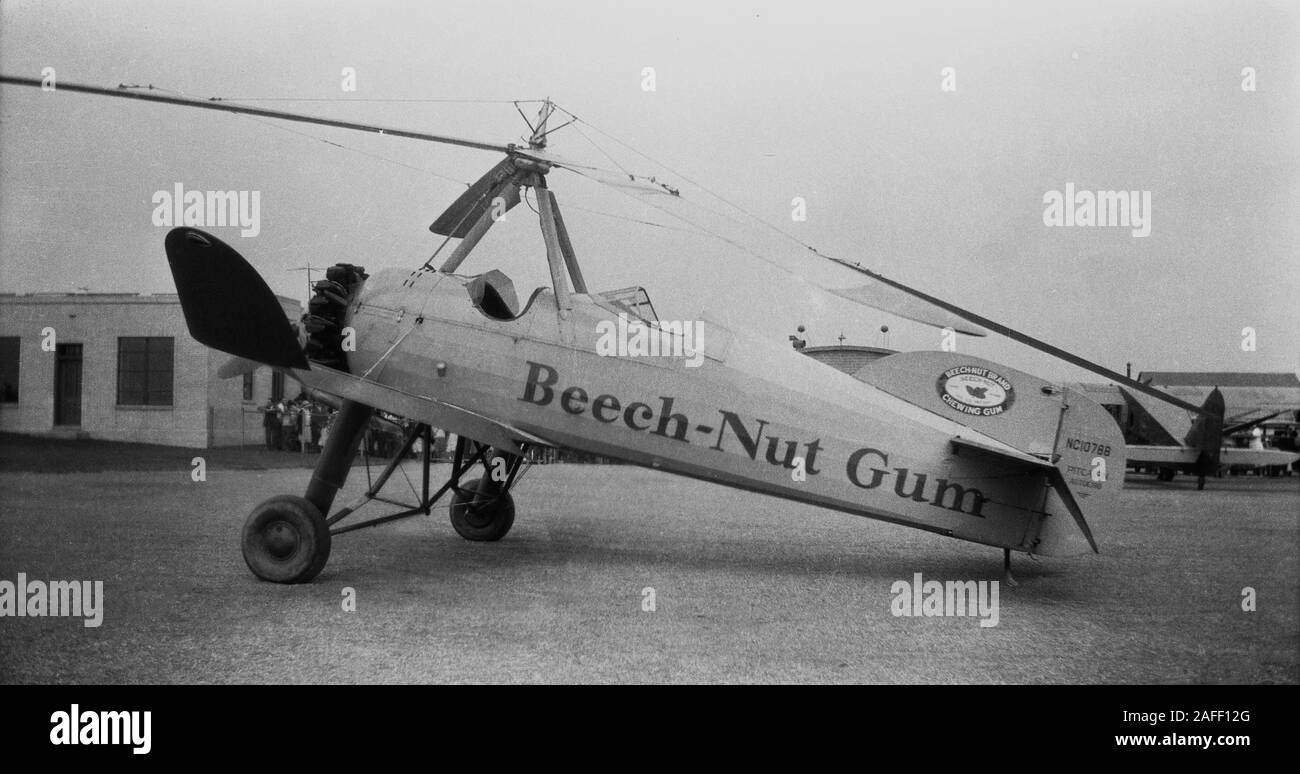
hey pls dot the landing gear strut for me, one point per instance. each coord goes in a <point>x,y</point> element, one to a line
<point>287,539</point>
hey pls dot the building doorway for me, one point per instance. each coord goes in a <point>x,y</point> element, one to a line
<point>67,385</point>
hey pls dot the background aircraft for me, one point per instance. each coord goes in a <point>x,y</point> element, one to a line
<point>1171,440</point>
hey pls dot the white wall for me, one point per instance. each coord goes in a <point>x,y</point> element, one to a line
<point>96,321</point>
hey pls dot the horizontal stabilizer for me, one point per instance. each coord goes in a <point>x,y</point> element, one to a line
<point>1018,457</point>
<point>1053,474</point>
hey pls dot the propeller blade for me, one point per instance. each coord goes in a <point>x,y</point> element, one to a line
<point>1026,339</point>
<point>462,214</point>
<point>229,107</point>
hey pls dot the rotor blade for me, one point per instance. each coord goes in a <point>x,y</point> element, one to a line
<point>888,299</point>
<point>534,154</point>
<point>1016,335</point>
<point>1229,430</point>
<point>462,214</point>
<point>229,107</point>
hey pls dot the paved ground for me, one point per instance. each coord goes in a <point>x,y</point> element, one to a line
<point>746,588</point>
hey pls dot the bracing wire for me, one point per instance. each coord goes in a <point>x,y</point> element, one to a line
<point>695,183</point>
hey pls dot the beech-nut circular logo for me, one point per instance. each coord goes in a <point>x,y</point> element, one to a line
<point>976,391</point>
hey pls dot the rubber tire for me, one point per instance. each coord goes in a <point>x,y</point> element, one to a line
<point>481,522</point>
<point>302,536</point>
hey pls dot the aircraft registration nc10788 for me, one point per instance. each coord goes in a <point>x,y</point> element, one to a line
<point>939,441</point>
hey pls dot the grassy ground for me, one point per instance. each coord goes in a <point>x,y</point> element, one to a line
<point>746,588</point>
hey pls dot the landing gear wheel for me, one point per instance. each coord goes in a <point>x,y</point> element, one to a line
<point>286,540</point>
<point>480,513</point>
<point>1165,474</point>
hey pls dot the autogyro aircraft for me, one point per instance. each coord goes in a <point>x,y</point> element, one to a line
<point>938,441</point>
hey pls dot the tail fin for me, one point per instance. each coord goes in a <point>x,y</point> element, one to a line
<point>227,303</point>
<point>1079,446</point>
<point>1206,435</point>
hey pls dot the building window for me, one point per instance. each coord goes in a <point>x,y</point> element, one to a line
<point>8,369</point>
<point>145,370</point>
<point>248,386</point>
<point>277,386</point>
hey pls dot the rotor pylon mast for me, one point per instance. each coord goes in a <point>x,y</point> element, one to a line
<point>538,139</point>
<point>561,259</point>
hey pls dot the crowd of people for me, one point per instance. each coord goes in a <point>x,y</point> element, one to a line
<point>300,424</point>
<point>303,425</point>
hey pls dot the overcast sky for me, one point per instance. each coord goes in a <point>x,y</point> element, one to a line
<point>838,103</point>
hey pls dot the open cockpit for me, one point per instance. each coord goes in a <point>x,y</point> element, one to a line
<point>493,294</point>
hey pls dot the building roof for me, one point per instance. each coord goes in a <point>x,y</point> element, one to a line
<point>1218,379</point>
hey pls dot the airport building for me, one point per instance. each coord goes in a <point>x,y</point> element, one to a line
<point>123,367</point>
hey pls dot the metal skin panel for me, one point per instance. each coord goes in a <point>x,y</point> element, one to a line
<point>742,419</point>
